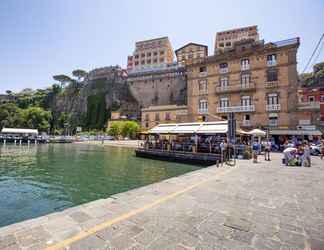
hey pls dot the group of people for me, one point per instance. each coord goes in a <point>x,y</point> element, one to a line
<point>257,148</point>
<point>299,155</point>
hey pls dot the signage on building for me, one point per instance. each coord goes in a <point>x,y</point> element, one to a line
<point>231,132</point>
<point>78,129</point>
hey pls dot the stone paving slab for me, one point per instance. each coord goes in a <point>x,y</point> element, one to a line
<point>251,206</point>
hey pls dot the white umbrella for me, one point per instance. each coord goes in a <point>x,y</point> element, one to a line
<point>257,132</point>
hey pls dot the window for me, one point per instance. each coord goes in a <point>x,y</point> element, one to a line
<point>155,60</point>
<point>155,53</point>
<point>224,102</point>
<point>273,99</point>
<point>203,69</point>
<point>147,118</point>
<point>148,61</point>
<point>246,117</point>
<point>162,59</point>
<point>162,52</point>
<point>223,65</point>
<point>272,60</point>
<point>311,98</point>
<point>157,116</point>
<point>136,56</point>
<point>245,64</point>
<point>224,117</point>
<point>142,62</point>
<point>223,81</point>
<point>228,44</point>
<point>136,62</point>
<point>203,86</point>
<point>246,100</point>
<point>273,120</point>
<point>203,106</point>
<point>142,55</point>
<point>245,80</point>
<point>322,98</point>
<point>167,116</point>
<point>190,55</point>
<point>148,54</point>
<point>221,45</point>
<point>272,75</point>
<point>146,124</point>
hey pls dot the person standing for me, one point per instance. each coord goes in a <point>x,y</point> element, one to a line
<point>306,157</point>
<point>267,149</point>
<point>255,150</point>
<point>322,149</point>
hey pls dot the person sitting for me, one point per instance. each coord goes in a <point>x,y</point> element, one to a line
<point>289,156</point>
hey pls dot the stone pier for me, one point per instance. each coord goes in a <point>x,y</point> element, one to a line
<point>250,206</point>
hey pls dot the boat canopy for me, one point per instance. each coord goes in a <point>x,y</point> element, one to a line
<point>19,131</point>
<point>219,127</point>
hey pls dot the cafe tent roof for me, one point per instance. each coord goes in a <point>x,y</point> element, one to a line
<point>19,131</point>
<point>295,132</point>
<point>191,128</point>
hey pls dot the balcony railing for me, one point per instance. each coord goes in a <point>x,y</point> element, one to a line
<point>203,91</point>
<point>249,108</point>
<point>245,67</point>
<point>271,63</point>
<point>273,84</point>
<point>246,123</point>
<point>308,105</point>
<point>223,70</point>
<point>273,107</point>
<point>237,87</point>
<point>203,74</point>
<point>203,111</point>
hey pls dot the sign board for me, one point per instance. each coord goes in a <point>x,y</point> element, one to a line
<point>78,129</point>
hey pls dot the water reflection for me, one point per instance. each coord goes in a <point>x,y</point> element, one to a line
<point>40,179</point>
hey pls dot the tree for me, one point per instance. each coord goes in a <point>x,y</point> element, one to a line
<point>115,129</point>
<point>130,129</point>
<point>80,74</point>
<point>10,115</point>
<point>63,79</point>
<point>37,118</point>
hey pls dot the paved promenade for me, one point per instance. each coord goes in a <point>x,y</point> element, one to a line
<point>252,206</point>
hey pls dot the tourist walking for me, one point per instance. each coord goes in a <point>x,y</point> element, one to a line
<point>255,151</point>
<point>306,157</point>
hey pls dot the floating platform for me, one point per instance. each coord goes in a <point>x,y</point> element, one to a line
<point>201,159</point>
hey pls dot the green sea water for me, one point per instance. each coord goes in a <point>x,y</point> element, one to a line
<point>41,179</point>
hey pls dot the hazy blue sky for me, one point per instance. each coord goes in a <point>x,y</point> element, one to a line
<point>40,38</point>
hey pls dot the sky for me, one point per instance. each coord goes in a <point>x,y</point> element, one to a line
<point>41,38</point>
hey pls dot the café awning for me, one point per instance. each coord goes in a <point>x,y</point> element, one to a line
<point>191,128</point>
<point>295,132</point>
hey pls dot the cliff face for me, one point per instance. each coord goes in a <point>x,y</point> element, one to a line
<point>91,102</point>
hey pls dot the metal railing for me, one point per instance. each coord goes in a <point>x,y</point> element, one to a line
<point>271,63</point>
<point>273,107</point>
<point>247,108</point>
<point>223,70</point>
<point>308,105</point>
<point>237,87</point>
<point>272,84</point>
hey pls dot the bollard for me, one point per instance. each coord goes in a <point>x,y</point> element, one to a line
<point>35,142</point>
<point>28,142</point>
<point>20,142</point>
<point>15,141</point>
<point>4,142</point>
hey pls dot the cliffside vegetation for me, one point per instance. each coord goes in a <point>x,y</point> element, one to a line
<point>314,77</point>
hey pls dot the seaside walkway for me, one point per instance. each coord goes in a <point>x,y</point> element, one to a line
<point>251,206</point>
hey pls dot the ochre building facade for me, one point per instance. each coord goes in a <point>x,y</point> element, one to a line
<point>256,81</point>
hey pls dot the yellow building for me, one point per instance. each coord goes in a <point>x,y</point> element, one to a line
<point>190,52</point>
<point>256,81</point>
<point>150,53</point>
<point>155,115</point>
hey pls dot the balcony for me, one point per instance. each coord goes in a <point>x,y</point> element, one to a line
<point>308,105</point>
<point>271,63</point>
<point>237,87</point>
<point>272,84</point>
<point>203,74</point>
<point>246,123</point>
<point>223,70</point>
<point>203,92</point>
<point>203,111</point>
<point>236,109</point>
<point>245,67</point>
<point>273,107</point>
